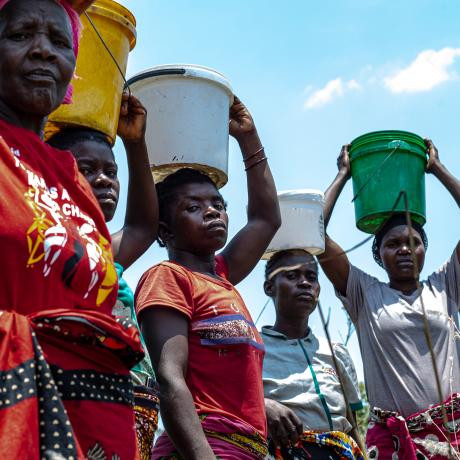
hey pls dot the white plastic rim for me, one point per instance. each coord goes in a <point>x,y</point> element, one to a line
<point>187,124</point>
<point>184,70</point>
<point>302,222</point>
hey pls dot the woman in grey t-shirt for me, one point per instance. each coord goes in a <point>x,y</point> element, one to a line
<point>306,409</point>
<point>389,321</point>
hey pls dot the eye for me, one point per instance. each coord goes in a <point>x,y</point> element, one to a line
<point>291,275</point>
<point>85,170</point>
<point>193,208</point>
<point>112,173</point>
<point>19,36</point>
<point>62,43</point>
<point>219,206</point>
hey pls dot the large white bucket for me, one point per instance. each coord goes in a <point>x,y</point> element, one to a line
<point>188,117</point>
<point>302,223</point>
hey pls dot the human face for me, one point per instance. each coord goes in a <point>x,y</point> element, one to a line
<point>37,60</point>
<point>397,256</point>
<point>96,162</point>
<point>295,291</point>
<point>198,221</point>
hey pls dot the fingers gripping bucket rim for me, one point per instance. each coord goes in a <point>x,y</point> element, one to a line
<point>187,127</point>
<point>384,163</point>
<point>98,84</point>
<point>302,223</point>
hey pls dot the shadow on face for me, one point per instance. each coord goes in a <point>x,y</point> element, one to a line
<point>37,60</point>
<point>96,162</point>
<point>292,282</point>
<point>397,255</point>
<point>193,216</point>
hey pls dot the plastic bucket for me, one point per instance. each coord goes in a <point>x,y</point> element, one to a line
<point>98,85</point>
<point>383,164</point>
<point>187,126</point>
<point>302,223</point>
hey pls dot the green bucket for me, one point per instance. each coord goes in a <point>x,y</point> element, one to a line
<point>383,164</point>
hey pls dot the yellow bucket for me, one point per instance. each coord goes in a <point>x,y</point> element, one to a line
<point>98,85</point>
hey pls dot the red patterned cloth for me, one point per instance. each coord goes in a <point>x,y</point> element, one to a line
<point>66,386</point>
<point>421,436</point>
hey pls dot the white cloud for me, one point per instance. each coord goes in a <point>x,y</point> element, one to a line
<point>332,89</point>
<point>429,69</point>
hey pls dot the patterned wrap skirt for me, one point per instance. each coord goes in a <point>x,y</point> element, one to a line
<point>312,445</point>
<point>421,436</point>
<point>66,388</point>
<point>229,440</point>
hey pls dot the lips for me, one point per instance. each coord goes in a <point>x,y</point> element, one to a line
<point>216,225</point>
<point>307,296</point>
<point>104,197</point>
<point>405,263</point>
<point>41,75</point>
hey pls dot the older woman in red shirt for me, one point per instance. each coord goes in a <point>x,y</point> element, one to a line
<point>64,361</point>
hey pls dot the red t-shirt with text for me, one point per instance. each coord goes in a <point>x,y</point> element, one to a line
<point>55,245</point>
<point>224,372</point>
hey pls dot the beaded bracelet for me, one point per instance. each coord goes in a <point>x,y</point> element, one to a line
<point>253,155</point>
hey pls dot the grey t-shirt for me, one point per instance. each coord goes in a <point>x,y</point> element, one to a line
<point>398,370</point>
<point>290,380</point>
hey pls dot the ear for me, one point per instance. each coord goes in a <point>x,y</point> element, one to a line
<point>269,288</point>
<point>164,232</point>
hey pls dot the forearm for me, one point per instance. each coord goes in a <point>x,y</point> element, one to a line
<point>262,198</point>
<point>449,181</point>
<point>142,205</point>
<point>332,194</point>
<point>181,421</point>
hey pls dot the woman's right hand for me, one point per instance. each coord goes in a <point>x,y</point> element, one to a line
<point>284,427</point>
<point>343,161</point>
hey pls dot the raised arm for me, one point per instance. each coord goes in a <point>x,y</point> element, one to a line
<point>447,179</point>
<point>166,335</point>
<point>333,261</point>
<point>141,220</point>
<point>247,247</point>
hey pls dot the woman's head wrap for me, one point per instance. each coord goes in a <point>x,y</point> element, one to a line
<point>75,24</point>
<point>395,221</point>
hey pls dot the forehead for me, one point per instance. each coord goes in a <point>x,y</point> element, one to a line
<point>201,191</point>
<point>298,258</point>
<point>93,151</point>
<point>400,231</point>
<point>35,11</point>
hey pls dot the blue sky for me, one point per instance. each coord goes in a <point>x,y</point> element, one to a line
<point>315,75</point>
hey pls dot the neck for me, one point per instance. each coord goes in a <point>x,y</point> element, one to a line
<point>292,328</point>
<point>405,286</point>
<point>33,123</point>
<point>198,263</point>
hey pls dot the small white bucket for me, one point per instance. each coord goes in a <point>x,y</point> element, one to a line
<point>188,117</point>
<point>302,222</point>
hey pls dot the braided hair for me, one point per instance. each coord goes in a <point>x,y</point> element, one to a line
<point>67,138</point>
<point>395,221</point>
<point>167,191</point>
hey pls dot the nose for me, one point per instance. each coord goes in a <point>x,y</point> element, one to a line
<point>303,282</point>
<point>211,213</point>
<point>102,181</point>
<point>42,48</point>
<point>404,248</point>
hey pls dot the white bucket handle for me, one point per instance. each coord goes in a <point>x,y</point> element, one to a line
<point>155,73</point>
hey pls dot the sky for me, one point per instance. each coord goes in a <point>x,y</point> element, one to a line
<point>315,75</point>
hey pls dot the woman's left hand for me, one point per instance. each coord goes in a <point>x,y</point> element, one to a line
<point>241,122</point>
<point>133,118</point>
<point>433,155</point>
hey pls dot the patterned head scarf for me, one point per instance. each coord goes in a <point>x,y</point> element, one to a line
<point>75,24</point>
